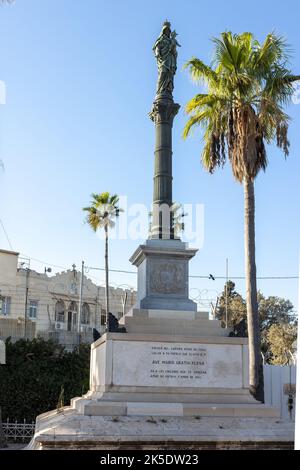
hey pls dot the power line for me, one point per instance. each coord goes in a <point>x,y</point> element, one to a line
<point>112,270</point>
<point>5,233</point>
<point>44,262</point>
<point>194,276</point>
<point>243,277</point>
<point>198,276</point>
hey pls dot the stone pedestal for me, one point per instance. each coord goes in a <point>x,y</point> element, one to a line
<point>166,374</point>
<point>172,381</point>
<point>163,275</point>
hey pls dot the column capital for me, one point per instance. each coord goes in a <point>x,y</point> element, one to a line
<point>163,110</point>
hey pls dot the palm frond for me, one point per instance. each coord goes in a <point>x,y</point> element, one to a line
<point>247,87</point>
<point>279,85</point>
<point>195,120</point>
<point>200,72</point>
<point>274,50</point>
<point>104,208</point>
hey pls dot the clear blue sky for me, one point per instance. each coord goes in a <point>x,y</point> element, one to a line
<point>80,79</point>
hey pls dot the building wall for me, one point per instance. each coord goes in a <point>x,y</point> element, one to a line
<point>20,283</point>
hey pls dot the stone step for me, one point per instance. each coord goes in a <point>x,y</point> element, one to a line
<point>71,431</point>
<point>202,315</point>
<point>240,396</point>
<point>176,321</point>
<point>187,332</point>
<point>107,408</point>
<point>169,315</point>
<point>258,411</point>
<point>165,314</point>
<point>192,328</point>
<point>184,409</point>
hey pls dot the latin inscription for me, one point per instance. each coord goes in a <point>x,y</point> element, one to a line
<point>167,364</point>
<point>178,362</point>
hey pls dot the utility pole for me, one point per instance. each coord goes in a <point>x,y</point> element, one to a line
<point>26,302</point>
<point>214,308</point>
<point>80,301</point>
<point>226,296</point>
<point>124,301</point>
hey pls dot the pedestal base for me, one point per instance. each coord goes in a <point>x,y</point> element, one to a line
<point>70,431</point>
<point>163,275</point>
<point>165,391</point>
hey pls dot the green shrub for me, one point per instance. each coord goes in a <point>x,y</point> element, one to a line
<point>34,374</point>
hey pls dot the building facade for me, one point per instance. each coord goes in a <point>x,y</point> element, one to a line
<point>38,304</point>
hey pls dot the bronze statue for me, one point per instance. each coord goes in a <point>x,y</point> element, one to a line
<point>166,55</point>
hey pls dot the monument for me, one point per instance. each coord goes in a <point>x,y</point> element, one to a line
<point>162,261</point>
<point>150,385</point>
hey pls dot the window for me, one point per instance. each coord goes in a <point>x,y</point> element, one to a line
<point>60,311</point>
<point>32,309</point>
<point>85,314</point>
<point>103,316</point>
<point>5,305</point>
<point>72,316</point>
<point>73,288</point>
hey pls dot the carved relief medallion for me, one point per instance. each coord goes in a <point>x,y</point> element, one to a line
<point>167,278</point>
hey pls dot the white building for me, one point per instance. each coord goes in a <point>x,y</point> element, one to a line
<point>52,303</point>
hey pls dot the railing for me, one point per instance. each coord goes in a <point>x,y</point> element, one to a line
<point>280,389</point>
<point>18,431</point>
<point>16,329</point>
<point>68,339</point>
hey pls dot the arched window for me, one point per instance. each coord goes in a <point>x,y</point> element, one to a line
<point>60,311</point>
<point>72,316</point>
<point>85,315</point>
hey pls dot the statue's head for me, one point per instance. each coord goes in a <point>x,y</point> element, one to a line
<point>166,29</point>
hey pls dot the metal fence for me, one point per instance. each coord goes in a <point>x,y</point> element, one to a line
<point>68,339</point>
<point>280,389</point>
<point>16,329</point>
<point>15,431</point>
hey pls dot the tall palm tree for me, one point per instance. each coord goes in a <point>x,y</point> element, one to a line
<point>101,214</point>
<point>247,87</point>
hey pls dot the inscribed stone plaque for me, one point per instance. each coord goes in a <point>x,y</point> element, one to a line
<point>138,363</point>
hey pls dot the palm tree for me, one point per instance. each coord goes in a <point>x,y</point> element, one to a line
<point>101,214</point>
<point>247,87</point>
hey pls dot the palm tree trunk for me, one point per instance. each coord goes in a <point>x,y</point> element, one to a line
<point>255,364</point>
<point>106,278</point>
